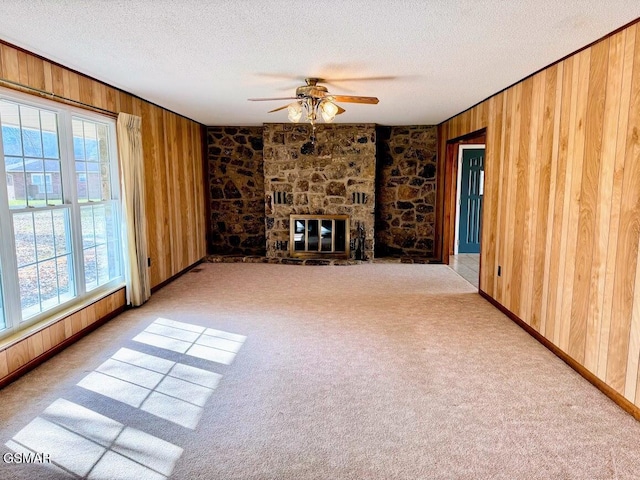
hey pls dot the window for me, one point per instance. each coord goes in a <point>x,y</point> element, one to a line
<point>43,181</point>
<point>60,205</point>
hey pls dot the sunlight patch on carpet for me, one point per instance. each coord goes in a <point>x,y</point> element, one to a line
<point>88,444</point>
<point>166,389</point>
<point>206,343</point>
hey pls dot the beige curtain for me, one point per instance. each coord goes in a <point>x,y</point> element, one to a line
<point>135,231</point>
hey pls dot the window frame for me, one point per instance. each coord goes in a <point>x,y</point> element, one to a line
<point>14,321</point>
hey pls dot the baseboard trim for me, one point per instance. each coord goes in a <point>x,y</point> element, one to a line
<point>31,364</point>
<point>622,402</point>
<point>172,278</point>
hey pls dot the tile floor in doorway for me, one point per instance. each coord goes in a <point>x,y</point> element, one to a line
<point>467,265</point>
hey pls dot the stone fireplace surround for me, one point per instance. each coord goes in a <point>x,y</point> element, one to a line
<point>327,178</point>
<point>402,202</point>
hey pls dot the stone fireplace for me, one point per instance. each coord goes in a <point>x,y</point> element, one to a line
<point>362,171</point>
<point>333,179</point>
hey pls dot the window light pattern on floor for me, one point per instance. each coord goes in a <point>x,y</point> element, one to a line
<point>82,443</point>
<point>166,389</point>
<point>89,445</point>
<point>206,343</point>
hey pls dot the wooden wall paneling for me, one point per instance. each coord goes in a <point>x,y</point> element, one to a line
<point>152,186</point>
<point>85,93</point>
<point>447,168</point>
<point>453,152</point>
<point>521,200</point>
<point>56,333</point>
<point>125,103</point>
<point>48,76</point>
<point>542,200</point>
<point>183,184</point>
<point>111,95</point>
<point>548,317</point>
<point>497,159</point>
<point>203,188</point>
<point>35,345</point>
<point>627,248</point>
<point>71,85</point>
<point>575,151</point>
<point>191,183</point>
<point>10,65</point>
<point>605,206</point>
<point>98,94</point>
<point>636,306</point>
<point>633,358</point>
<point>17,355</point>
<point>46,341</point>
<point>195,192</point>
<point>198,190</point>
<point>563,219</point>
<point>491,196</point>
<point>440,193</point>
<point>588,199</point>
<point>181,214</point>
<point>511,181</point>
<point>505,188</point>
<point>189,189</point>
<point>4,364</point>
<point>561,214</point>
<point>156,193</point>
<point>173,190</point>
<point>68,327</point>
<point>533,166</point>
<point>35,72</point>
<point>162,199</point>
<point>76,322</point>
<point>57,78</point>
<point>23,67</point>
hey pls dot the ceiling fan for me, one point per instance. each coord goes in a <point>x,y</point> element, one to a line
<point>315,99</point>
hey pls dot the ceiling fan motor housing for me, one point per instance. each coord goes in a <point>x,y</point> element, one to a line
<point>311,91</point>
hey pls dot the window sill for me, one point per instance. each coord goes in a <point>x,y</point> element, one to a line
<point>26,332</point>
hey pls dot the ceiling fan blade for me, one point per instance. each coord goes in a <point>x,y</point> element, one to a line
<point>269,99</point>
<point>355,99</point>
<point>361,79</point>
<point>278,109</point>
<point>340,109</point>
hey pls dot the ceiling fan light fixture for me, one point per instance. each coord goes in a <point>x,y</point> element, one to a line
<point>328,111</point>
<point>295,112</point>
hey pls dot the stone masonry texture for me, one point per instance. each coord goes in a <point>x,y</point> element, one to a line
<point>391,170</point>
<point>406,190</point>
<point>236,190</point>
<point>320,179</point>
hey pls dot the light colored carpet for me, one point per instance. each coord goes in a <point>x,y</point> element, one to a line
<point>375,371</point>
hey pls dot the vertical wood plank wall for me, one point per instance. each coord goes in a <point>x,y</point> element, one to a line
<point>562,204</point>
<point>173,160</point>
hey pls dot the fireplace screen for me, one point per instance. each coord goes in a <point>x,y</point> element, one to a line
<point>319,235</point>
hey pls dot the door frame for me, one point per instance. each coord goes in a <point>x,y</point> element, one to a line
<point>461,149</point>
<point>449,190</point>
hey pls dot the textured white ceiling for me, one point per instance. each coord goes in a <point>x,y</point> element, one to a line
<point>204,58</point>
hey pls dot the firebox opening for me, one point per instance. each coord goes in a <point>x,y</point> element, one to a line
<point>319,236</point>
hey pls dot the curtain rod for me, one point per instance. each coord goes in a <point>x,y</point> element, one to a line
<point>58,98</point>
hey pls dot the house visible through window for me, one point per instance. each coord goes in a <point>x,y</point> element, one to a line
<point>59,208</point>
<point>43,181</point>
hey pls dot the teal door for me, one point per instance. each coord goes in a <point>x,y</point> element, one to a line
<point>471,191</point>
